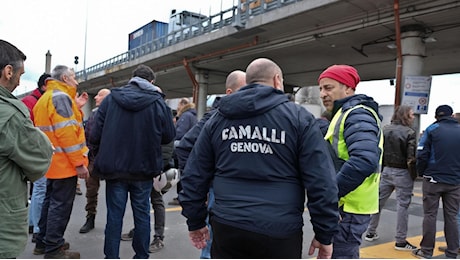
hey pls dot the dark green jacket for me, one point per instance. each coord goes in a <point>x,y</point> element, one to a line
<point>25,154</point>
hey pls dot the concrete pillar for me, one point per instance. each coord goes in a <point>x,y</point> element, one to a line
<point>202,77</point>
<point>413,53</point>
<point>48,62</point>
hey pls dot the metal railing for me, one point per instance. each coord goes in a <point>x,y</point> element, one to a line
<point>235,16</point>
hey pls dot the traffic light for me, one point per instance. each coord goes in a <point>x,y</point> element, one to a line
<point>76,60</point>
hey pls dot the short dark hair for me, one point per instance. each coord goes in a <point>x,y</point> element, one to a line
<point>10,55</point>
<point>145,72</point>
<point>41,80</point>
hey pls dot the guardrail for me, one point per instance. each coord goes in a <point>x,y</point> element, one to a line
<point>235,16</point>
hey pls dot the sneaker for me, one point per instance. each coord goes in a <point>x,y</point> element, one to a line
<point>371,237</point>
<point>128,236</point>
<point>174,202</point>
<point>62,254</point>
<point>78,191</point>
<point>406,246</point>
<point>156,245</point>
<point>419,254</point>
<point>41,250</point>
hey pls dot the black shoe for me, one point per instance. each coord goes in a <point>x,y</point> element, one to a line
<point>78,191</point>
<point>88,225</point>
<point>34,237</point>
<point>128,236</point>
<point>444,248</point>
<point>419,254</point>
<point>405,246</point>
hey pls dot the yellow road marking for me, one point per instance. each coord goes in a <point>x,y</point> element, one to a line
<point>418,194</point>
<point>173,209</point>
<point>386,250</point>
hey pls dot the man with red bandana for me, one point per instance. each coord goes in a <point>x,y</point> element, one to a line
<point>357,143</point>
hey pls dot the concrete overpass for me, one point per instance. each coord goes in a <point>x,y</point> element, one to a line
<point>303,37</point>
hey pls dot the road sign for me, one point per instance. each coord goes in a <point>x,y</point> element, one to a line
<point>416,93</point>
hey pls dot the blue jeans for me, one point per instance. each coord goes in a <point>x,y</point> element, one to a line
<point>349,238</point>
<point>206,252</point>
<point>116,197</point>
<point>38,195</point>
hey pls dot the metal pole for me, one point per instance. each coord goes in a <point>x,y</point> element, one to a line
<point>86,38</point>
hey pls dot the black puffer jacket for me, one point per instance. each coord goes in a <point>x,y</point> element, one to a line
<point>399,147</point>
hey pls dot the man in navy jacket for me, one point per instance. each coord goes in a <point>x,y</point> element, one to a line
<point>439,165</point>
<point>260,152</point>
<point>130,126</point>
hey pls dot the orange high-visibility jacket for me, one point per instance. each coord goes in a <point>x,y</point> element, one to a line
<point>58,116</point>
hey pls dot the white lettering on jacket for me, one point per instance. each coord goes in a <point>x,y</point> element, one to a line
<point>249,132</point>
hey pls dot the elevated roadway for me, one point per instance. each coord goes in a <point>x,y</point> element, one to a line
<point>302,36</point>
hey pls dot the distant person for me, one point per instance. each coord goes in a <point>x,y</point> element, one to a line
<point>235,80</point>
<point>92,182</point>
<point>31,99</point>
<point>186,115</point>
<point>25,154</point>
<point>439,165</point>
<point>39,186</point>
<point>134,121</point>
<point>81,101</point>
<point>260,152</point>
<point>398,174</point>
<point>59,117</point>
<point>357,141</point>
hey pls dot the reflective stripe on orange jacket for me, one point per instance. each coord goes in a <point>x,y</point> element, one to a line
<point>58,116</point>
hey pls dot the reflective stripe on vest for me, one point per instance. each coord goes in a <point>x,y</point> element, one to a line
<point>364,199</point>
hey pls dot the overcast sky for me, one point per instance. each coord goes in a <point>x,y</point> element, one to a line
<point>36,26</point>
<point>60,27</point>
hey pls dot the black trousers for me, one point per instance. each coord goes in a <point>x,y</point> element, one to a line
<point>230,242</point>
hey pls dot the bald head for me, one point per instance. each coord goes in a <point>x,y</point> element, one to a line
<point>101,95</point>
<point>235,80</point>
<point>265,72</point>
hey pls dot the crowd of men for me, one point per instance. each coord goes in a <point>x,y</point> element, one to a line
<point>247,168</point>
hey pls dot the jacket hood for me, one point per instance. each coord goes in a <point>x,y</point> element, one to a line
<point>251,100</point>
<point>137,95</point>
<point>359,99</point>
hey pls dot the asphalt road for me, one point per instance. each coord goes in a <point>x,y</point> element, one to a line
<point>177,245</point>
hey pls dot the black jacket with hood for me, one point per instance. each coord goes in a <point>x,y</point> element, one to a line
<point>261,152</point>
<point>130,126</point>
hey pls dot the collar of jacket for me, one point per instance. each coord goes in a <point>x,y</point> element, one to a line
<point>185,108</point>
<point>59,85</point>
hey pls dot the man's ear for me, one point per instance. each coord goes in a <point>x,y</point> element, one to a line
<point>349,91</point>
<point>7,72</point>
